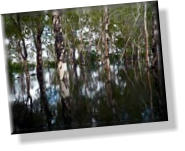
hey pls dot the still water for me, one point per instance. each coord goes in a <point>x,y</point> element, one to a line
<point>124,94</point>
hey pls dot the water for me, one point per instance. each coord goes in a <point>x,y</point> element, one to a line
<point>131,94</point>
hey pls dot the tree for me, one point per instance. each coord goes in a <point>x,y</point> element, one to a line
<point>20,36</point>
<point>37,27</point>
<point>62,67</point>
<point>146,35</point>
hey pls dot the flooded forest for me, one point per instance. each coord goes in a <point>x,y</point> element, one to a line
<point>84,67</point>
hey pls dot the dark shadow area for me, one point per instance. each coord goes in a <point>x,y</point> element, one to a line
<point>130,128</point>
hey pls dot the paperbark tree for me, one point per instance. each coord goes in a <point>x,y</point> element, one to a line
<point>62,67</point>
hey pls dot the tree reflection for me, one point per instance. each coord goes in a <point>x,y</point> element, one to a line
<point>85,67</point>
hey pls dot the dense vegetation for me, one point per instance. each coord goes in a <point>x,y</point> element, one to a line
<point>120,43</point>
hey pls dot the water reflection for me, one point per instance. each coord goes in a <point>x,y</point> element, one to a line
<point>99,95</point>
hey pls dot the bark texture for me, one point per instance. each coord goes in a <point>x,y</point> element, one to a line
<point>62,69</point>
<point>40,77</point>
<point>146,35</point>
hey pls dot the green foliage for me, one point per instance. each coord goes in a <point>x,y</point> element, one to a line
<point>15,67</point>
<point>49,64</point>
<point>80,24</point>
<point>120,42</point>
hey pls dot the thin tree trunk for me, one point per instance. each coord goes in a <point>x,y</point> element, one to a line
<point>24,56</point>
<point>29,98</point>
<point>106,34</point>
<point>108,85</point>
<point>146,35</point>
<point>106,41</point>
<point>26,70</point>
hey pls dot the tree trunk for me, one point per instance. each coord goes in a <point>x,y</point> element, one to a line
<point>24,56</point>
<point>106,41</point>
<point>108,85</point>
<point>26,70</point>
<point>40,77</point>
<point>60,53</point>
<point>146,35</point>
<point>106,34</point>
<point>62,68</point>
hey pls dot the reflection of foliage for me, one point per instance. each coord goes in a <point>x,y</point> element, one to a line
<point>15,67</point>
<point>105,51</point>
<point>49,64</point>
<point>18,67</point>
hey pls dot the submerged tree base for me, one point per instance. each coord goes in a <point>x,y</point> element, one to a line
<point>85,67</point>
<point>90,105</point>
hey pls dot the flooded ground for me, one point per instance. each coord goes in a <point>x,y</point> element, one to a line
<point>96,96</point>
